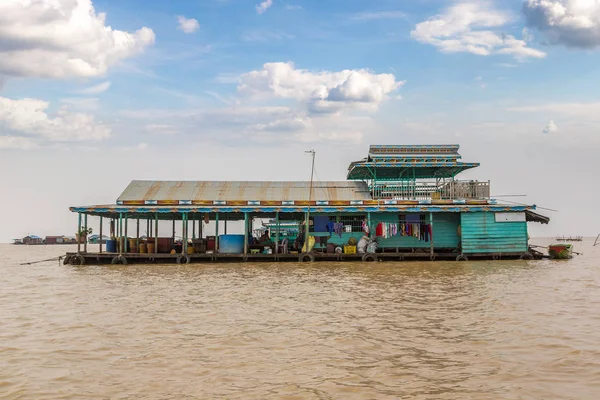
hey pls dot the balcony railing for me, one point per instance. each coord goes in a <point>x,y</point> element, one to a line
<point>453,190</point>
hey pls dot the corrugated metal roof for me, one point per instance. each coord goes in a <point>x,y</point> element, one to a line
<point>243,190</point>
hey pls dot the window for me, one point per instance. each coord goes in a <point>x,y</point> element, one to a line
<point>352,223</point>
<point>412,219</point>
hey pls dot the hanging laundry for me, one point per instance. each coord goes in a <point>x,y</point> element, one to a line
<point>338,228</point>
<point>365,227</point>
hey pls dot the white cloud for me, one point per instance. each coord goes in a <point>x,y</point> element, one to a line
<point>472,28</point>
<point>375,15</point>
<point>62,39</point>
<point>551,127</point>
<point>28,118</point>
<point>97,89</point>
<point>16,142</point>
<point>576,110</point>
<point>264,6</point>
<point>282,104</point>
<point>160,129</point>
<point>293,7</point>
<point>265,36</point>
<point>188,25</point>
<point>573,23</point>
<point>320,91</point>
<point>81,103</point>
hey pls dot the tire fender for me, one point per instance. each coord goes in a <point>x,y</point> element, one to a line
<point>526,256</point>
<point>183,259</point>
<point>306,257</point>
<point>462,257</point>
<point>77,259</point>
<point>119,260</point>
<point>370,257</point>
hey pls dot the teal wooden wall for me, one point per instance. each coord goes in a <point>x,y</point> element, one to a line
<point>482,234</point>
<point>445,232</point>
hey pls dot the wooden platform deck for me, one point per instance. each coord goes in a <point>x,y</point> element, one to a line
<point>135,258</point>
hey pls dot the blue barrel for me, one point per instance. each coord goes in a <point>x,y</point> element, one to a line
<point>111,246</point>
<point>231,244</point>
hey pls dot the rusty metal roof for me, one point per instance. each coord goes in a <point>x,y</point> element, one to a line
<point>243,190</point>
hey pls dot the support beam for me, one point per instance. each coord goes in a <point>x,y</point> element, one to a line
<point>225,224</point>
<point>120,233</point>
<point>156,234</point>
<point>217,233</point>
<point>193,228</point>
<point>100,235</point>
<point>183,234</point>
<point>137,235</point>
<point>245,233</point>
<point>79,233</point>
<point>200,228</point>
<point>431,235</point>
<point>126,235</point>
<point>277,233</point>
<point>86,232</point>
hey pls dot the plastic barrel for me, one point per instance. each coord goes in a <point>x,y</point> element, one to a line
<point>111,246</point>
<point>150,247</point>
<point>133,245</point>
<point>231,244</point>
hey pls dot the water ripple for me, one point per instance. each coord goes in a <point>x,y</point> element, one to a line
<point>489,330</point>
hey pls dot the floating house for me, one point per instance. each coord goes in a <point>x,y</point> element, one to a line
<point>405,198</point>
<point>32,240</point>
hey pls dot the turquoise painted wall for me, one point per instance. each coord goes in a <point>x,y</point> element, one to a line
<point>445,232</point>
<point>482,234</point>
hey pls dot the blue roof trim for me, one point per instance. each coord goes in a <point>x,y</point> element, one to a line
<point>328,209</point>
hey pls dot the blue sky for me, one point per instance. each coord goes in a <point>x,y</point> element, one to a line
<point>242,87</point>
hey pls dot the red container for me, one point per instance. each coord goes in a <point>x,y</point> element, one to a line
<point>210,243</point>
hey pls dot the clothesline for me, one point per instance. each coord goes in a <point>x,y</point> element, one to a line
<point>421,231</point>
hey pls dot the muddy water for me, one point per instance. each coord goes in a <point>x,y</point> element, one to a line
<point>476,330</point>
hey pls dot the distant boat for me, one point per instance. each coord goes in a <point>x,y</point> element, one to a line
<point>95,239</point>
<point>17,241</point>
<point>560,251</point>
<point>569,238</point>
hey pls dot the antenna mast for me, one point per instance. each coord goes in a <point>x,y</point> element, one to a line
<point>312,171</point>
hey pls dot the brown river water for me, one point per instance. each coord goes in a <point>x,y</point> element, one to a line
<point>442,330</point>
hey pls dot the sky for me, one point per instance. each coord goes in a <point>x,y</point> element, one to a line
<point>94,94</point>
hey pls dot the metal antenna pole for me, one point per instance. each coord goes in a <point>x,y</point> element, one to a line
<point>312,171</point>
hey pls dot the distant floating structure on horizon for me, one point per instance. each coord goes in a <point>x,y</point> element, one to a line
<point>569,238</point>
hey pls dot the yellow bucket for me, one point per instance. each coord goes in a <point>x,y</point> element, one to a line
<point>190,250</point>
<point>143,248</point>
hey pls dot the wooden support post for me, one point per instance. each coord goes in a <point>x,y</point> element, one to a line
<point>120,233</point>
<point>431,235</point>
<point>277,233</point>
<point>245,233</point>
<point>100,234</point>
<point>217,233</point>
<point>200,228</point>
<point>147,229</point>
<point>193,228</point>
<point>183,244</point>
<point>79,233</point>
<point>156,234</point>
<point>225,224</point>
<point>86,232</point>
<point>126,235</point>
<point>137,235</point>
